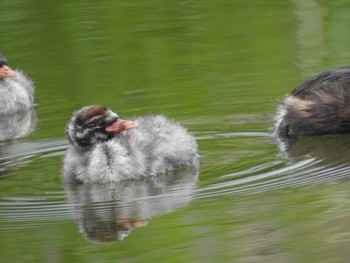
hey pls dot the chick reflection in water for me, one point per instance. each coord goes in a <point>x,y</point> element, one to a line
<point>17,125</point>
<point>108,212</point>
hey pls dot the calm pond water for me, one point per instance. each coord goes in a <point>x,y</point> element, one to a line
<point>218,68</point>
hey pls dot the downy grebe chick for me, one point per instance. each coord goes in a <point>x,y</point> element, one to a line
<point>16,89</point>
<point>318,106</point>
<point>104,148</point>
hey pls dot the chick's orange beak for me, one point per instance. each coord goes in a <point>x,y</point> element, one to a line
<point>121,125</point>
<point>6,72</point>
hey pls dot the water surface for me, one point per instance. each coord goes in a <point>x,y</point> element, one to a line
<point>219,69</point>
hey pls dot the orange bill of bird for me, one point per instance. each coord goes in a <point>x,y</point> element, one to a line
<point>6,72</point>
<point>121,125</point>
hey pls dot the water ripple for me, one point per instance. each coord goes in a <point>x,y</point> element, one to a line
<point>28,149</point>
<point>298,168</point>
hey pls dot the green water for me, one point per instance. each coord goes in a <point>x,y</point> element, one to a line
<point>217,67</point>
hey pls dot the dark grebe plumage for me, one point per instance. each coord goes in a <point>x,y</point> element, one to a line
<point>318,106</point>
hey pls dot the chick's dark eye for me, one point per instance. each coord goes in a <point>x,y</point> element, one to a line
<point>96,120</point>
<point>96,123</point>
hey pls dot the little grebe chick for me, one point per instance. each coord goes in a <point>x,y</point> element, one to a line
<point>16,90</point>
<point>104,148</point>
<point>318,106</point>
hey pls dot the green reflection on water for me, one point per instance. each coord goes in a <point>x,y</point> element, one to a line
<point>217,67</point>
<point>297,225</point>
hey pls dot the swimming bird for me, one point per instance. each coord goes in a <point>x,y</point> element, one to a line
<point>105,148</point>
<point>318,106</point>
<point>16,89</point>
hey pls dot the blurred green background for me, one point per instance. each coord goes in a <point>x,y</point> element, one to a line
<point>219,68</point>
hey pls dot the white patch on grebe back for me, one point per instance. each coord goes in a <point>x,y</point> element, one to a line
<point>291,103</point>
<point>280,113</point>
